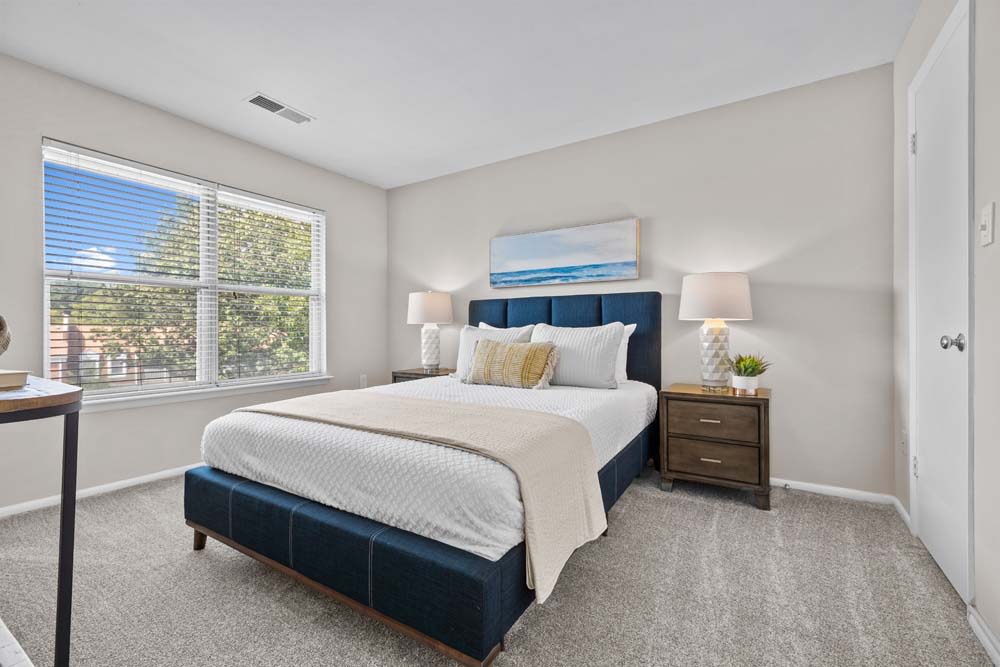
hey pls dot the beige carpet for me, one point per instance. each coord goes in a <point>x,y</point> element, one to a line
<point>696,577</point>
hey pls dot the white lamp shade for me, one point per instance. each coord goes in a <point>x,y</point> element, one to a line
<point>429,308</point>
<point>715,296</point>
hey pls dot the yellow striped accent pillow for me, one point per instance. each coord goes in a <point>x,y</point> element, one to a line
<point>522,365</point>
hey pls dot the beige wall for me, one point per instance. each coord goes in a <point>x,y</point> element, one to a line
<point>793,187</point>
<point>128,443</point>
<point>986,423</point>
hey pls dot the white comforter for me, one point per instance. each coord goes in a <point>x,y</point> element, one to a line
<point>449,495</point>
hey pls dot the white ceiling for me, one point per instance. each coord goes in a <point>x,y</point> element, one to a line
<point>406,90</point>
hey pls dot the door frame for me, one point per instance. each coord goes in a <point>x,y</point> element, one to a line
<point>962,9</point>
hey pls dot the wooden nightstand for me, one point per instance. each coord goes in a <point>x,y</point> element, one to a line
<point>718,439</point>
<point>419,374</point>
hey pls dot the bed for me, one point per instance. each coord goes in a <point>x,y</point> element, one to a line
<point>447,566</point>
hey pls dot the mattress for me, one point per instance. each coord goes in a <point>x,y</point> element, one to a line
<point>446,494</point>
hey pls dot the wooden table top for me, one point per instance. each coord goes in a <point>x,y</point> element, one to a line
<point>424,371</point>
<point>696,390</point>
<point>39,393</point>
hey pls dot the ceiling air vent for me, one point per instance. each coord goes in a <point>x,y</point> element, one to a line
<point>276,107</point>
<point>293,115</point>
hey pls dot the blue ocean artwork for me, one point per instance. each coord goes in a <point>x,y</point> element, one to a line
<point>566,274</point>
<point>588,253</point>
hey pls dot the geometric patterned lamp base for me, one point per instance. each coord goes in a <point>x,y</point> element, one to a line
<point>714,343</point>
<point>430,347</point>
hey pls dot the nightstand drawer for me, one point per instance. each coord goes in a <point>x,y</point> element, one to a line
<point>710,459</point>
<point>713,420</point>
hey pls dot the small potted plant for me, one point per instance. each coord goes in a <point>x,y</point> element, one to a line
<point>747,368</point>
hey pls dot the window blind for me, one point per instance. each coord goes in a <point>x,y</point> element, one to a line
<point>155,281</point>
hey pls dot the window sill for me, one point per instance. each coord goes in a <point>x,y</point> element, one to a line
<point>98,404</point>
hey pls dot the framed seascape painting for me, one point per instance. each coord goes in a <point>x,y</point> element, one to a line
<point>583,254</point>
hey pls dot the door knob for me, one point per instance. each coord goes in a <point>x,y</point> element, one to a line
<point>958,342</point>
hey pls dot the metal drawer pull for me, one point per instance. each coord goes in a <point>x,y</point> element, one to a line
<point>710,421</point>
<point>711,460</point>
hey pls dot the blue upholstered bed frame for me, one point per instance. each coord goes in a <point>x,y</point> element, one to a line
<point>459,603</point>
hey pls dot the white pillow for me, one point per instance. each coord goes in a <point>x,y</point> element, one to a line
<point>621,371</point>
<point>469,336</point>
<point>588,356</point>
<point>621,366</point>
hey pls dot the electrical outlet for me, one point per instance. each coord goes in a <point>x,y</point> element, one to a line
<point>987,220</point>
<point>363,381</point>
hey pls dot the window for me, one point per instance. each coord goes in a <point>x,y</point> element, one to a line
<point>158,282</point>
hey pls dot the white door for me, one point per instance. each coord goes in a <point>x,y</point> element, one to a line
<point>940,229</point>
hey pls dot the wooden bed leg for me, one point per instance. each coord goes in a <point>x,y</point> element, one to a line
<point>503,643</point>
<point>199,540</point>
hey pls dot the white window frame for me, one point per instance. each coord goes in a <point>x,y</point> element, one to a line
<point>207,288</point>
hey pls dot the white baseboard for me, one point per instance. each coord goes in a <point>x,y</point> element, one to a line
<point>903,514</point>
<point>843,492</point>
<point>20,508</point>
<point>985,635</point>
<point>824,489</point>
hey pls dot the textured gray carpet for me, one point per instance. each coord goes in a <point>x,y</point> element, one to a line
<point>697,577</point>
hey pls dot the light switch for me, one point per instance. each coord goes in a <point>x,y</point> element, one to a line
<point>987,220</point>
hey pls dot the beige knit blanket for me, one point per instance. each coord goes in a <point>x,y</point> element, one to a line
<point>551,456</point>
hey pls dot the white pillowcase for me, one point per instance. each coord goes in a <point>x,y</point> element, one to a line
<point>469,336</point>
<point>621,366</point>
<point>588,356</point>
<point>621,371</point>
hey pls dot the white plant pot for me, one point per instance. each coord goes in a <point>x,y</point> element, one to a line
<point>745,386</point>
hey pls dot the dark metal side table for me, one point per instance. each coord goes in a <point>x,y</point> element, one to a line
<point>40,399</point>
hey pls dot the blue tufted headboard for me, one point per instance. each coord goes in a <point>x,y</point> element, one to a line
<point>587,310</point>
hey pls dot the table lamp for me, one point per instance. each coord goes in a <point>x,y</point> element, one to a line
<point>429,309</point>
<point>715,298</point>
